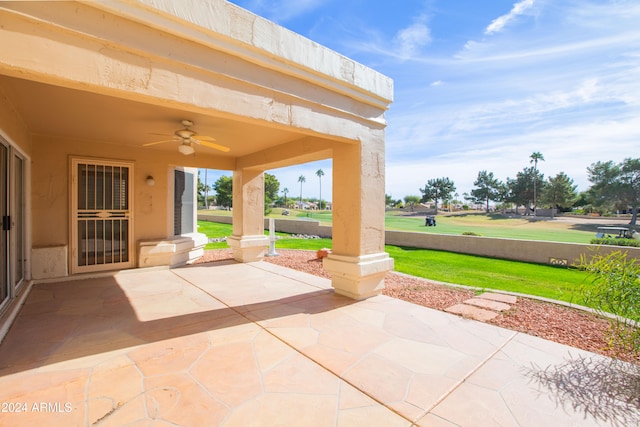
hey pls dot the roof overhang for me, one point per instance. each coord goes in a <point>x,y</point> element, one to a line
<point>126,72</point>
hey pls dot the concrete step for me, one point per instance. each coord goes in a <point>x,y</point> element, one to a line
<point>472,312</point>
<point>507,299</point>
<point>488,304</point>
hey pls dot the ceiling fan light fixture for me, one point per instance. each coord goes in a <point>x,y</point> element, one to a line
<point>188,137</point>
<point>186,149</point>
<point>185,133</point>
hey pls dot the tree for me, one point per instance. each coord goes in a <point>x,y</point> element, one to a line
<point>560,192</point>
<point>224,191</point>
<point>535,157</point>
<point>616,185</point>
<point>630,180</point>
<point>388,200</point>
<point>437,189</point>
<point>320,174</point>
<point>206,189</point>
<point>411,201</point>
<point>301,180</point>
<point>285,191</point>
<point>520,189</point>
<point>201,191</point>
<point>271,188</point>
<point>584,201</point>
<point>488,189</point>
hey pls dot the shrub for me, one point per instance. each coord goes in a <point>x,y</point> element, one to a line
<point>615,242</point>
<point>616,290</point>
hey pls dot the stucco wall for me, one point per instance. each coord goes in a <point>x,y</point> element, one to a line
<point>513,249</point>
<point>518,250</point>
<point>51,186</point>
<point>12,126</point>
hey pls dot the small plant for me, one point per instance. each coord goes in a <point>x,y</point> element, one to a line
<point>470,233</point>
<point>615,241</point>
<point>615,289</point>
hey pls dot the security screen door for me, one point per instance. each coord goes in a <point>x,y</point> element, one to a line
<point>102,222</point>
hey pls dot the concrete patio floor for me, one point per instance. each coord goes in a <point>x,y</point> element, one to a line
<point>260,345</point>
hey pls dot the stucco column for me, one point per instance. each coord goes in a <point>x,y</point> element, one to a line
<point>358,262</point>
<point>248,241</point>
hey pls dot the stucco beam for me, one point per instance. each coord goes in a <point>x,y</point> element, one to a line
<point>303,150</point>
<point>173,74</point>
<point>231,29</point>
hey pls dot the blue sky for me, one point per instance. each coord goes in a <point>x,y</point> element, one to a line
<point>480,85</point>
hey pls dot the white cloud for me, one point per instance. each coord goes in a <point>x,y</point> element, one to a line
<point>411,39</point>
<point>437,83</point>
<point>529,50</point>
<point>499,23</point>
<point>529,109</point>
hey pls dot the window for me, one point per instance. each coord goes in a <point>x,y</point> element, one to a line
<point>184,212</point>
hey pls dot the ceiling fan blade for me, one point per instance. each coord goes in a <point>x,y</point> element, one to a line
<point>158,142</point>
<point>203,138</point>
<point>211,145</point>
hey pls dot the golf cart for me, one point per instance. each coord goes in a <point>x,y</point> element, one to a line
<point>615,232</point>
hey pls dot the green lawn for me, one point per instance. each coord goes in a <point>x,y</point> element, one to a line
<point>217,230</point>
<point>531,279</point>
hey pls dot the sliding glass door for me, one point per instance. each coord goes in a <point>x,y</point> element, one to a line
<point>12,212</point>
<point>5,290</point>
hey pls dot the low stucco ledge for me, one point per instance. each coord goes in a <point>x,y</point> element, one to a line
<point>171,252</point>
<point>248,248</point>
<point>49,262</point>
<point>358,277</point>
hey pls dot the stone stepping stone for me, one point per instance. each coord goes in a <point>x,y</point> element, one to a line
<point>472,312</point>
<point>487,303</point>
<point>507,299</point>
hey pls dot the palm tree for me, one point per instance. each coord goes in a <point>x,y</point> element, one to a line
<point>320,174</point>
<point>206,190</point>
<point>285,191</point>
<point>301,179</point>
<point>534,159</point>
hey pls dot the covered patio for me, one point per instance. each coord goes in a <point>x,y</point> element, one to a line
<point>108,109</point>
<point>239,344</point>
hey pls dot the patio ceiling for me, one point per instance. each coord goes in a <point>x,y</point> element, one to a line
<point>74,114</point>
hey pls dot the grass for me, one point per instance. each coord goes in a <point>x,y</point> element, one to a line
<point>285,241</point>
<point>558,283</point>
<point>531,279</point>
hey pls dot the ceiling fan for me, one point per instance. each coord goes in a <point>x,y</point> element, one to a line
<point>188,137</point>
